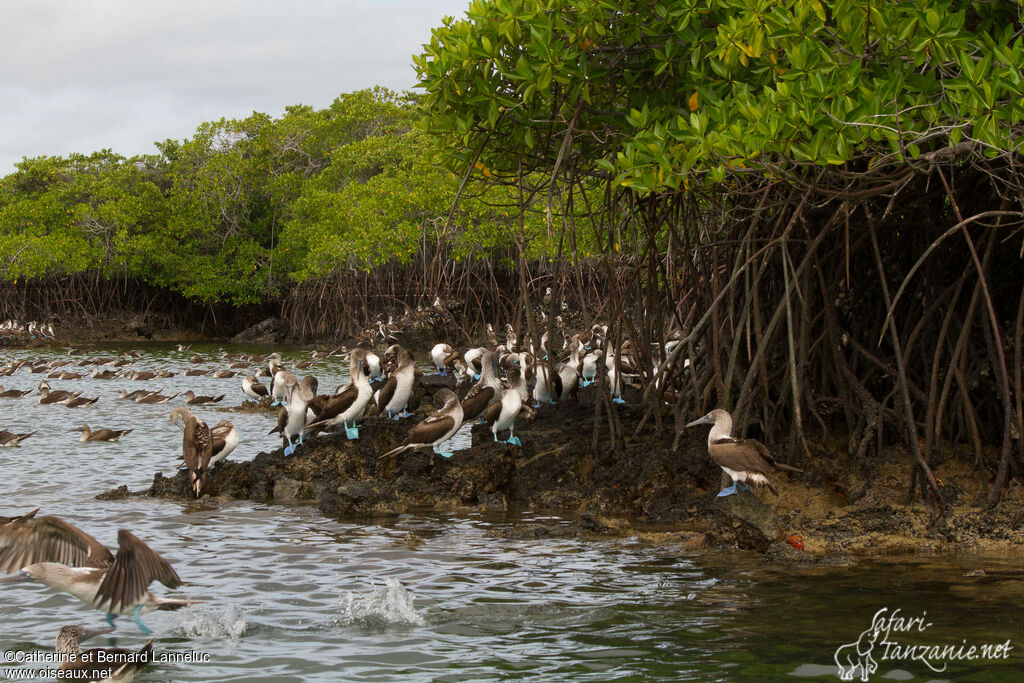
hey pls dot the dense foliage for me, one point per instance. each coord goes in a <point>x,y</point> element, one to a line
<point>245,209</point>
<point>667,95</point>
<point>822,198</point>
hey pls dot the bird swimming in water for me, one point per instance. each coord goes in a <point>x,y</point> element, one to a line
<point>193,400</point>
<point>63,557</point>
<point>12,393</point>
<point>742,459</point>
<point>100,434</point>
<point>11,439</point>
<point>436,429</point>
<point>111,664</point>
<point>79,401</point>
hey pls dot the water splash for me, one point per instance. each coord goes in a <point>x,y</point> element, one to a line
<point>206,622</point>
<point>380,608</point>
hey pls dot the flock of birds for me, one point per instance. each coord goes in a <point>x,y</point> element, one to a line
<point>499,381</point>
<point>12,329</point>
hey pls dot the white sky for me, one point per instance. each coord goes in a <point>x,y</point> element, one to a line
<point>84,75</point>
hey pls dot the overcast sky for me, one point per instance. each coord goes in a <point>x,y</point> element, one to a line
<point>83,75</point>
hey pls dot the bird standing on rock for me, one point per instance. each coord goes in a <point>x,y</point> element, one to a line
<point>350,402</point>
<point>742,459</point>
<point>436,429</point>
<point>196,447</point>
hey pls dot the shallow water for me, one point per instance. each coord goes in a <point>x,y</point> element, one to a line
<point>290,595</point>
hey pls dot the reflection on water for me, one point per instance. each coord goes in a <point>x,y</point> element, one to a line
<point>289,595</point>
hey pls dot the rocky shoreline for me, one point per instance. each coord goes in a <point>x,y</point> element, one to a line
<point>827,515</point>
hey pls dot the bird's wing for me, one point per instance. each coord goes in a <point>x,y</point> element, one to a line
<point>740,455</point>
<point>135,566</point>
<point>492,413</point>
<point>427,431</point>
<point>27,540</point>
<point>386,393</point>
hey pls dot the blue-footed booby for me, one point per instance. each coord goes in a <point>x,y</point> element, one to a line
<point>100,434</point>
<point>193,400</point>
<point>485,391</point>
<point>300,393</point>
<point>436,429</point>
<point>63,557</point>
<point>589,367</point>
<point>11,439</point>
<point>12,393</point>
<point>443,356</point>
<point>473,358</point>
<point>254,389</point>
<point>101,665</point>
<point>742,459</point>
<point>501,415</point>
<point>196,447</point>
<point>393,397</point>
<point>350,401</point>
<point>48,396</point>
<point>225,438</point>
<point>279,379</point>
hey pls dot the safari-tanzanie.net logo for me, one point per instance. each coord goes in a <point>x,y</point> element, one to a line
<point>893,637</point>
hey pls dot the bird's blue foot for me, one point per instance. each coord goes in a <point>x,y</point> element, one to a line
<point>742,486</point>
<point>393,416</point>
<point>404,414</point>
<point>110,619</point>
<point>443,373</point>
<point>352,432</point>
<point>514,441</point>
<point>479,419</point>
<point>552,402</point>
<point>727,491</point>
<point>300,437</point>
<point>618,399</point>
<point>138,621</point>
<point>496,437</point>
<point>289,449</point>
<point>476,376</point>
<point>536,405</point>
<point>183,468</point>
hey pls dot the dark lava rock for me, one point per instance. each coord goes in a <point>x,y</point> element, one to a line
<point>270,331</point>
<point>556,468</point>
<point>741,521</point>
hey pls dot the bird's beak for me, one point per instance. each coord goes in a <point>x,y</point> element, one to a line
<point>17,577</point>
<point>702,421</point>
<point>93,632</point>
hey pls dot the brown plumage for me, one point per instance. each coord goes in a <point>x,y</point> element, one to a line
<point>29,539</point>
<point>98,664</point>
<point>11,439</point>
<point>744,460</point>
<point>100,434</point>
<point>196,447</point>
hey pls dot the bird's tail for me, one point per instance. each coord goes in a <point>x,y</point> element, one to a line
<point>396,451</point>
<point>173,603</point>
<point>788,468</point>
